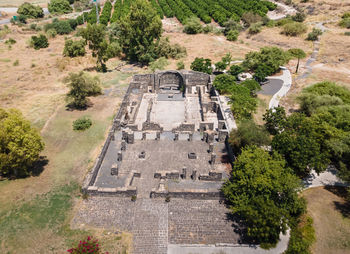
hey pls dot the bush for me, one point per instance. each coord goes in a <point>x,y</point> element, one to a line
<point>86,245</point>
<point>165,49</point>
<point>61,26</point>
<point>346,15</point>
<point>82,5</point>
<point>59,7</point>
<point>20,144</point>
<point>224,83</point>
<point>255,28</point>
<point>202,65</point>
<point>208,29</point>
<point>294,29</point>
<point>21,19</point>
<point>250,18</point>
<point>180,65</point>
<point>347,33</point>
<point>232,35</point>
<point>248,133</point>
<point>302,236</point>
<point>30,11</point>
<point>74,48</point>
<point>299,17</point>
<point>51,33</point>
<point>235,70</point>
<point>313,36</point>
<point>16,63</point>
<point>82,124</point>
<point>193,26</point>
<point>345,23</point>
<point>10,41</point>
<point>39,42</point>
<point>73,23</point>
<point>252,85</point>
<point>159,64</point>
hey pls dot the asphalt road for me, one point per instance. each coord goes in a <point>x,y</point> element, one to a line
<point>271,87</point>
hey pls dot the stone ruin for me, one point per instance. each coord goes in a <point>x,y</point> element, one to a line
<point>169,138</point>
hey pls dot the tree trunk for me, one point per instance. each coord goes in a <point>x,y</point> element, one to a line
<point>296,71</point>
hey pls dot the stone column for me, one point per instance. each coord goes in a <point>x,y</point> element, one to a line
<point>158,135</point>
<point>124,135</point>
<point>184,173</point>
<point>131,138</point>
<point>190,136</point>
<point>211,147</point>
<point>112,136</point>
<point>205,136</point>
<point>176,136</point>
<point>210,138</point>
<point>120,156</point>
<point>114,170</point>
<point>212,158</point>
<point>123,147</point>
<point>144,135</point>
<point>194,175</point>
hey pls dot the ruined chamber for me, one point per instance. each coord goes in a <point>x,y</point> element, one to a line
<point>169,138</point>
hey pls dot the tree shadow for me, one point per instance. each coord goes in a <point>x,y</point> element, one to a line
<point>39,166</point>
<point>342,207</point>
<point>71,107</point>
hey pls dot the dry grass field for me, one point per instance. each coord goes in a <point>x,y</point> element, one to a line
<point>16,3</point>
<point>331,215</point>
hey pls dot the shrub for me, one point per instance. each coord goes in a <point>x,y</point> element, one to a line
<point>208,29</point>
<point>21,19</point>
<point>86,246</point>
<point>345,23</point>
<point>133,198</point>
<point>232,25</point>
<point>235,70</point>
<point>39,42</point>
<point>252,85</point>
<point>250,18</point>
<point>299,17</point>
<point>10,41</point>
<point>16,63</point>
<point>82,124</point>
<point>313,36</point>
<point>165,49</point>
<point>51,33</point>
<point>232,35</point>
<point>347,33</point>
<point>62,27</point>
<point>255,28</point>
<point>180,65</point>
<point>159,64</point>
<point>73,23</point>
<point>202,65</point>
<point>82,5</point>
<point>59,7</point>
<point>346,15</point>
<point>74,48</point>
<point>294,29</point>
<point>193,26</point>
<point>30,11</point>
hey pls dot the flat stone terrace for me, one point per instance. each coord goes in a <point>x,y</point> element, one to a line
<point>155,223</point>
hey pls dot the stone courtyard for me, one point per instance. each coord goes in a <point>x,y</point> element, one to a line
<point>169,141</point>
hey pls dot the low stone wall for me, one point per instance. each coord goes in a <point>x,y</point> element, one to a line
<point>189,194</point>
<point>107,192</point>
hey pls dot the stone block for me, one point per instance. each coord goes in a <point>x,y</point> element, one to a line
<point>120,156</point>
<point>142,155</point>
<point>114,170</point>
<point>192,156</point>
<point>212,158</point>
<point>211,147</point>
<point>123,145</point>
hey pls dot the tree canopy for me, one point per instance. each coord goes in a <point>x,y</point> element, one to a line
<point>262,194</point>
<point>139,32</point>
<point>30,11</point>
<point>59,7</point>
<point>242,103</point>
<point>202,65</point>
<point>20,144</point>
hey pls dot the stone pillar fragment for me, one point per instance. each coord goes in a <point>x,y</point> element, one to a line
<point>176,136</point>
<point>194,175</point>
<point>212,158</point>
<point>184,173</point>
<point>120,156</point>
<point>130,138</point>
<point>114,170</point>
<point>190,136</point>
<point>144,135</point>
<point>210,138</point>
<point>158,135</point>
<point>123,146</point>
<point>211,147</point>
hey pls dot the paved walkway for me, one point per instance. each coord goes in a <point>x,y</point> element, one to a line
<point>286,79</point>
<point>327,178</point>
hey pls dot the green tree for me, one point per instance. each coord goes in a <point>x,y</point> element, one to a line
<point>242,103</point>
<point>202,65</point>
<point>96,37</point>
<point>247,134</point>
<point>262,193</point>
<point>20,144</point>
<point>30,11</point>
<point>74,48</point>
<point>59,7</point>
<point>298,54</point>
<point>39,42</point>
<point>275,120</point>
<point>302,145</point>
<point>235,70</point>
<point>224,83</point>
<point>139,32</point>
<point>252,85</point>
<point>81,86</point>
